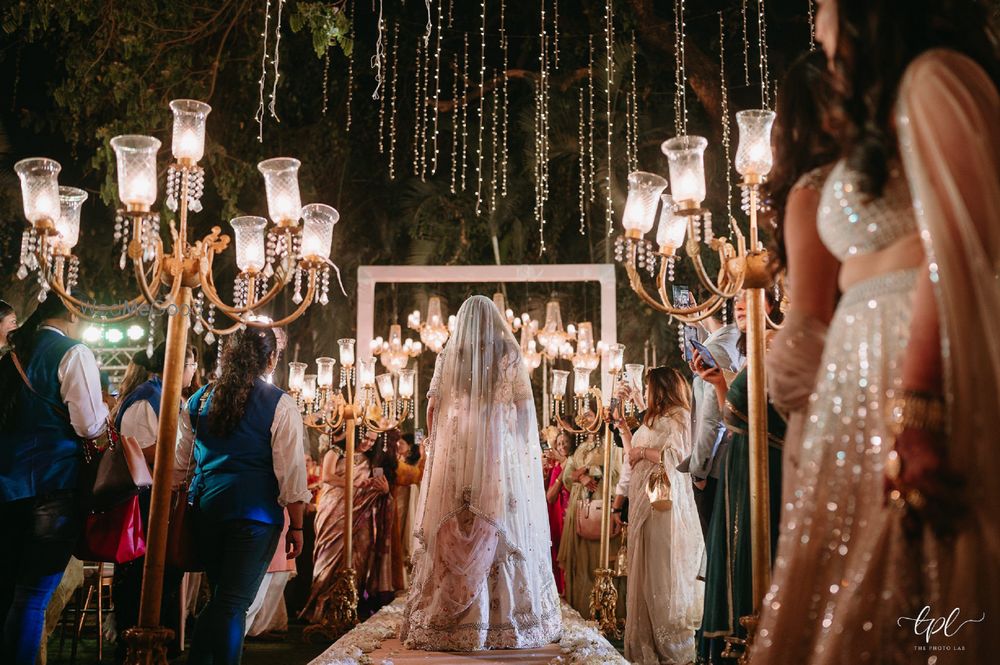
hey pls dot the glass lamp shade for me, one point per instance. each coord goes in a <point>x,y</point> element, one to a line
<point>346,352</point>
<point>585,337</point>
<point>434,315</point>
<point>616,357</point>
<point>296,376</point>
<point>281,182</point>
<point>70,201</point>
<point>753,156</point>
<point>407,378</point>
<point>249,232</point>
<point>39,188</point>
<point>309,387</point>
<point>686,159</point>
<point>324,371</point>
<point>672,228</point>
<point>366,372</point>
<point>633,374</point>
<point>644,191</point>
<point>560,378</point>
<point>317,230</point>
<point>395,336</point>
<point>581,381</point>
<point>385,387</point>
<point>187,142</point>
<point>136,156</point>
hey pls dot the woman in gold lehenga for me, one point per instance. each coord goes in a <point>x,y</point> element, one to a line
<point>907,395</point>
<point>373,526</point>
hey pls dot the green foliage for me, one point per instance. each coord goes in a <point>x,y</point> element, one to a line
<point>328,24</point>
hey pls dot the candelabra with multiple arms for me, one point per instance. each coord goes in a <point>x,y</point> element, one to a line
<point>435,329</point>
<point>588,421</point>
<point>167,278</point>
<point>377,403</point>
<point>743,267</point>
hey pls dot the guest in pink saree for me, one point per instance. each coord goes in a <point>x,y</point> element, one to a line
<point>558,499</point>
<point>373,526</point>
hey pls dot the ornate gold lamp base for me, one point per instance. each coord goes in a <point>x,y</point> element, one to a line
<point>604,601</point>
<point>147,646</point>
<point>749,624</point>
<point>343,610</point>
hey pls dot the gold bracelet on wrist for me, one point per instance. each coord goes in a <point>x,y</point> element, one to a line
<point>912,410</point>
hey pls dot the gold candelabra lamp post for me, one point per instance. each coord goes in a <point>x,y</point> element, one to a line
<point>167,277</point>
<point>593,410</point>
<point>360,399</point>
<point>743,267</point>
<point>434,330</point>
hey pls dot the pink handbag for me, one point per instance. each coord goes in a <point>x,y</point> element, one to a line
<point>114,536</point>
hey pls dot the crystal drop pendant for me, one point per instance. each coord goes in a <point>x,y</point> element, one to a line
<point>22,272</point>
<point>210,338</point>
<point>324,299</point>
<point>171,202</point>
<point>42,295</point>
<point>297,298</point>
<point>198,328</point>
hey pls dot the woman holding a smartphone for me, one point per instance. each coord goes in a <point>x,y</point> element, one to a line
<point>374,517</point>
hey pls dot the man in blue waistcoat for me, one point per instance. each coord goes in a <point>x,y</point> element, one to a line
<point>50,399</point>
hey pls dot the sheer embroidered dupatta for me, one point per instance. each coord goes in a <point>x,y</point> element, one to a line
<point>948,122</point>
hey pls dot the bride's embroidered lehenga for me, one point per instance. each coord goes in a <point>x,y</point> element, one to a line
<point>483,569</point>
<point>845,575</point>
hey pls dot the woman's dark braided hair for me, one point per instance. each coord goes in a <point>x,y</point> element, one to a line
<point>245,359</point>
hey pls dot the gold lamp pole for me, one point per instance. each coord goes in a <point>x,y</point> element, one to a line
<point>604,596</point>
<point>743,267</point>
<point>292,253</point>
<point>332,411</point>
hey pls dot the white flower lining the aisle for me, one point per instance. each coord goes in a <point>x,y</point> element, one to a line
<point>581,641</point>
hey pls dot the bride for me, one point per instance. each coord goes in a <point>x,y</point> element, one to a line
<point>482,570</point>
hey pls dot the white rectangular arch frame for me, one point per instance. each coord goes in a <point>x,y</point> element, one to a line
<point>602,273</point>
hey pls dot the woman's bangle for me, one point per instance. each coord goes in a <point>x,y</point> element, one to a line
<point>295,528</point>
<point>917,411</point>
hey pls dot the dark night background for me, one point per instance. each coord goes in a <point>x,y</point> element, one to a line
<point>74,74</point>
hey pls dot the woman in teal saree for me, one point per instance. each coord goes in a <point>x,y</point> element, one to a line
<point>728,585</point>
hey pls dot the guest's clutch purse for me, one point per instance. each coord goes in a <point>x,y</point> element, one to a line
<point>658,489</point>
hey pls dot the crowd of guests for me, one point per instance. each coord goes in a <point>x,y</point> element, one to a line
<point>884,199</point>
<point>240,448</point>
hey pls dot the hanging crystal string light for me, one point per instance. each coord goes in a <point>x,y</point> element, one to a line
<point>504,84</point>
<point>378,60</point>
<point>272,105</point>
<point>609,29</point>
<point>765,77</point>
<point>454,127</point>
<point>812,26</point>
<point>591,171</point>
<point>746,43</point>
<point>555,33</point>
<point>494,147</point>
<point>482,93</point>
<point>583,169</point>
<point>394,86</point>
<point>726,134</point>
<point>465,107</point>
<point>259,115</point>
<point>634,117</point>
<point>326,83</point>
<point>350,71</point>
<point>418,113</point>
<point>437,85</point>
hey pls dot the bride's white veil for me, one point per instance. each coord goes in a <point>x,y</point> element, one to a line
<point>484,467</point>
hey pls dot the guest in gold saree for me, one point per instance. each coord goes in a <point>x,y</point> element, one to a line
<point>373,525</point>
